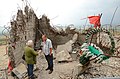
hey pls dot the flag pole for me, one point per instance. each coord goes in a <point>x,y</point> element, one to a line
<point>100,25</point>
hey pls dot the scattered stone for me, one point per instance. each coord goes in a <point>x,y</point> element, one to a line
<point>75,37</point>
<point>20,71</point>
<point>3,74</point>
<point>81,77</point>
<point>63,56</point>
<point>59,48</point>
<point>54,54</point>
<point>78,70</point>
<point>62,76</point>
<point>67,46</point>
<point>74,52</point>
<point>28,26</point>
<point>106,78</point>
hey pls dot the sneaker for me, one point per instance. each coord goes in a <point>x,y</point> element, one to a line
<point>50,71</point>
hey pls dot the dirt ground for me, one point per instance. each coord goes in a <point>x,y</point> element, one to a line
<point>4,60</point>
<point>61,70</point>
<point>3,57</point>
<point>109,68</point>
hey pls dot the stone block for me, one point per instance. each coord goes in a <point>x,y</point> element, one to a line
<point>63,56</point>
<point>78,70</point>
<point>20,71</point>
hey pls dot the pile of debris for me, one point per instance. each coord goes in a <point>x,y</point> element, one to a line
<point>106,69</point>
<point>27,26</point>
<point>63,51</point>
<point>66,43</point>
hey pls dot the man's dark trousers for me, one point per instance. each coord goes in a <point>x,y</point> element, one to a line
<point>49,59</point>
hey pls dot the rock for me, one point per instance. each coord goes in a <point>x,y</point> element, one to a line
<point>62,76</point>
<point>64,50</point>
<point>107,78</point>
<point>20,71</point>
<point>54,54</point>
<point>81,77</point>
<point>74,52</point>
<point>58,29</point>
<point>63,56</point>
<point>67,46</point>
<point>75,37</point>
<point>3,75</point>
<point>60,48</point>
<point>78,70</point>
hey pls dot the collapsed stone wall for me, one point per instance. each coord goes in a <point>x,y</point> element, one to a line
<point>22,29</point>
<point>27,26</point>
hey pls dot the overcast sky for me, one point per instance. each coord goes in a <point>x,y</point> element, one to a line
<point>64,12</point>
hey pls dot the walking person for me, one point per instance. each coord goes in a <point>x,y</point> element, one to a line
<point>30,58</point>
<point>47,50</point>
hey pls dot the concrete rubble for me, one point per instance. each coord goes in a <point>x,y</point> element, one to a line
<point>64,50</point>
<point>78,70</point>
<point>63,56</point>
<point>20,71</point>
<point>27,26</point>
<point>65,43</point>
<point>3,74</point>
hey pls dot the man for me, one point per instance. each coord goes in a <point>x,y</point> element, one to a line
<point>47,50</point>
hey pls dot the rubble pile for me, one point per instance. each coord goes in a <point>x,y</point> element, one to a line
<point>28,26</point>
<point>109,68</point>
<point>66,45</point>
<point>64,50</point>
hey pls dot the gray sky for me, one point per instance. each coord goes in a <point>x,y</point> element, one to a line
<point>66,11</point>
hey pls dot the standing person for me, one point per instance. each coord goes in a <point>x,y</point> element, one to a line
<point>10,53</point>
<point>47,50</point>
<point>30,58</point>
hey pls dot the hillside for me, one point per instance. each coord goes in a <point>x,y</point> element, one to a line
<point>1,29</point>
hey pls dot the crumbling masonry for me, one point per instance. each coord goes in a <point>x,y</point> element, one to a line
<point>27,26</point>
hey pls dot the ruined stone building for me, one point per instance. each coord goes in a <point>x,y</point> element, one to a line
<point>27,26</point>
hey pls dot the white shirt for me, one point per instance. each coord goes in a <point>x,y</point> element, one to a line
<point>46,46</point>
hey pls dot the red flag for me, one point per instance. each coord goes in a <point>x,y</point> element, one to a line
<point>95,20</point>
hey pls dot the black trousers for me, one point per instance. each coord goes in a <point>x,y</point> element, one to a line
<point>49,59</point>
